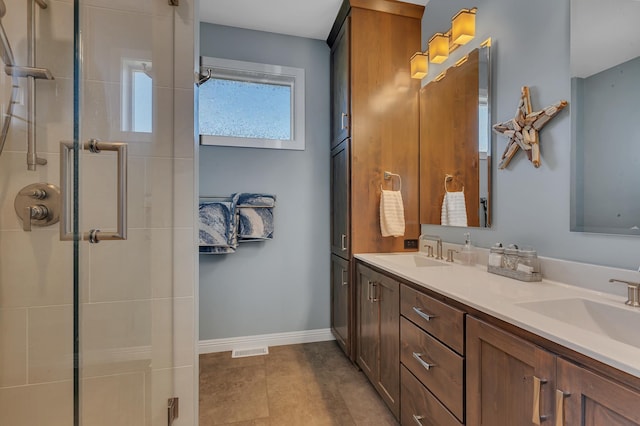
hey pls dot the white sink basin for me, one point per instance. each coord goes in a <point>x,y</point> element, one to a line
<point>616,323</point>
<point>410,260</point>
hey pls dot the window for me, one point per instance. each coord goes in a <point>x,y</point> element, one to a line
<point>245,104</point>
<point>137,96</point>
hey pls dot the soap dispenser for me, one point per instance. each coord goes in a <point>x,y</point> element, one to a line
<point>468,253</point>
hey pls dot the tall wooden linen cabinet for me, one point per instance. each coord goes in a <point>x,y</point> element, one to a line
<point>374,128</point>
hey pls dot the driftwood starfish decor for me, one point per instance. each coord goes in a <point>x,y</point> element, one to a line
<point>522,130</point>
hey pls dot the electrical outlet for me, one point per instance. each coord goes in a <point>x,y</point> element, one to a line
<point>410,244</point>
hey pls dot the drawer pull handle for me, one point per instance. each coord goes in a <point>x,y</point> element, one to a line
<point>344,279</point>
<point>560,396</point>
<point>342,120</point>
<point>536,418</point>
<point>343,242</point>
<point>422,362</point>
<point>423,314</point>
<point>417,419</point>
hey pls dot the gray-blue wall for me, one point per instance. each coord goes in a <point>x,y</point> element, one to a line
<point>280,285</point>
<point>530,206</point>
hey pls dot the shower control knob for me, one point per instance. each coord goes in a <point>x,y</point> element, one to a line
<point>43,212</point>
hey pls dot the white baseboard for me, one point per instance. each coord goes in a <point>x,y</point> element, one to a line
<point>276,339</point>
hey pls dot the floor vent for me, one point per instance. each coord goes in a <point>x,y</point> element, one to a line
<point>240,353</point>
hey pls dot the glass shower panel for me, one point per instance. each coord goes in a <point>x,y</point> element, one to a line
<point>87,329</point>
<point>126,317</point>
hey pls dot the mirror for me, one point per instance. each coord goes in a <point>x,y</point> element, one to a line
<point>605,89</point>
<point>455,144</point>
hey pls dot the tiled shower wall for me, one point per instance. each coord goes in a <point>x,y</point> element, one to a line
<point>137,314</point>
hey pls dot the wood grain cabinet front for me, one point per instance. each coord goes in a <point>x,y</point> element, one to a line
<point>432,346</point>
<point>378,336</point>
<point>584,398</point>
<point>444,322</point>
<point>340,291</point>
<point>509,380</point>
<point>421,407</point>
<point>439,368</point>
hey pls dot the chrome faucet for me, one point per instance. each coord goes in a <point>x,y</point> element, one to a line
<point>437,239</point>
<point>633,289</point>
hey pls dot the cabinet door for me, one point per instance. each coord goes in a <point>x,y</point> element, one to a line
<point>584,398</point>
<point>340,290</point>
<point>509,381</point>
<point>340,200</point>
<point>340,94</point>
<point>388,298</point>
<point>367,324</point>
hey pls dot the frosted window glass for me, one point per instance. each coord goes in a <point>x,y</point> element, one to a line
<point>245,109</point>
<point>142,102</point>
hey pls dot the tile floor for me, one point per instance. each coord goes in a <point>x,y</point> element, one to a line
<point>310,384</point>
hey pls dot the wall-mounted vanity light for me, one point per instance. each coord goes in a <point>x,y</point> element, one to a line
<point>462,31</point>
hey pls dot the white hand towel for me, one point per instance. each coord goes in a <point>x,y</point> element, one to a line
<point>454,209</point>
<point>391,214</point>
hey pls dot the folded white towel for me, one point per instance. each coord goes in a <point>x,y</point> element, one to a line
<point>454,209</point>
<point>391,214</point>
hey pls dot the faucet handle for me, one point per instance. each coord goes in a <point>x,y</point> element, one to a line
<point>450,254</point>
<point>633,292</point>
<point>429,250</point>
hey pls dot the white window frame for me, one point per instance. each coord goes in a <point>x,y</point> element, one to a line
<point>261,73</point>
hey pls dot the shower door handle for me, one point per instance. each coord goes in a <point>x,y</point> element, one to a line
<point>66,183</point>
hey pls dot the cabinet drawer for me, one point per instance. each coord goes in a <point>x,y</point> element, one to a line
<point>439,368</point>
<point>439,319</point>
<point>419,406</point>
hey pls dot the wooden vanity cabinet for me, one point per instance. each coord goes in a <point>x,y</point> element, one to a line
<point>378,336</point>
<point>432,352</point>
<point>584,398</point>
<point>501,378</point>
<point>340,288</point>
<point>374,128</point>
<point>502,388</point>
<point>340,88</point>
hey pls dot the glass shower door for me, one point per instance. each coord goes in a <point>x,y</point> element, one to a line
<point>88,331</point>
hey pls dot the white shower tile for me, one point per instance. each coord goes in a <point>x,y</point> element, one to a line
<point>115,37</point>
<point>99,191</point>
<point>48,404</point>
<point>36,269</point>
<point>184,123</point>
<point>13,347</point>
<point>159,192</point>
<point>172,329</point>
<point>50,344</point>
<point>115,332</point>
<point>54,39</point>
<point>183,326</point>
<point>54,115</point>
<point>127,270</point>
<point>114,400</point>
<point>185,252</point>
<point>169,383</point>
<point>185,56</point>
<point>184,193</point>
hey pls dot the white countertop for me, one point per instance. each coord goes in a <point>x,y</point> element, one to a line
<point>499,297</point>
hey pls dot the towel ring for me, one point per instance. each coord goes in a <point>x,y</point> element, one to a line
<point>388,176</point>
<point>447,178</point>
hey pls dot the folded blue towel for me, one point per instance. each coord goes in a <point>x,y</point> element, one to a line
<point>255,216</point>
<point>218,223</point>
<point>256,200</point>
<point>216,250</point>
<point>255,223</point>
